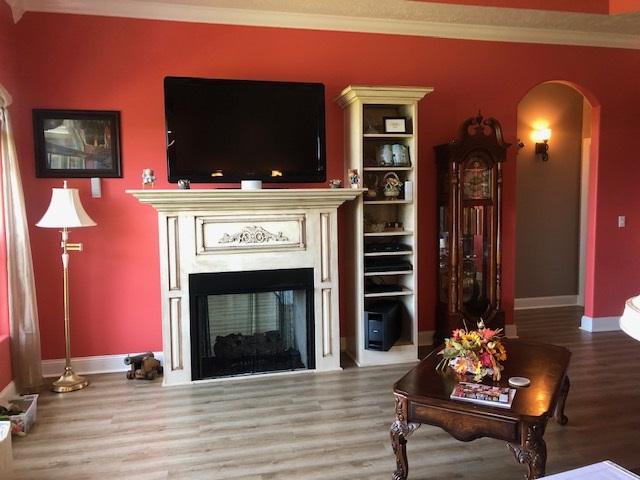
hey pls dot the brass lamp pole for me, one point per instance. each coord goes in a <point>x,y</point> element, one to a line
<point>66,211</point>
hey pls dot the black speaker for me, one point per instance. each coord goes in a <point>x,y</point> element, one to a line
<point>382,325</point>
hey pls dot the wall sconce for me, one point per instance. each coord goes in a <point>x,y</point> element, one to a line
<point>541,136</point>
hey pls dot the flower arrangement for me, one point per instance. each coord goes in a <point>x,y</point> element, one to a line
<point>478,352</point>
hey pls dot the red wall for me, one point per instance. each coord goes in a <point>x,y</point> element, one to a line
<point>118,64</point>
<point>623,6</point>
<point>9,81</point>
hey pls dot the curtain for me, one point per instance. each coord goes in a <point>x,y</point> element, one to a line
<point>23,311</point>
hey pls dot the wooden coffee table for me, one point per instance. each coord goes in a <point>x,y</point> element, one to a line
<point>422,397</point>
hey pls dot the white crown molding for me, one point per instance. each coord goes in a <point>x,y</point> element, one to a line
<point>386,94</point>
<point>546,302</point>
<point>90,365</point>
<point>414,20</point>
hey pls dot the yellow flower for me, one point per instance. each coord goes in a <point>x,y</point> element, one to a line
<point>502,353</point>
<point>471,340</point>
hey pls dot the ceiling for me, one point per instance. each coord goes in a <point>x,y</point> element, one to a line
<point>464,19</point>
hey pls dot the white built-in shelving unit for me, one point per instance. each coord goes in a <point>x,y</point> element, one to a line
<point>375,218</point>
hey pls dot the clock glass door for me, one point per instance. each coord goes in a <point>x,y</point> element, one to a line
<point>476,235</point>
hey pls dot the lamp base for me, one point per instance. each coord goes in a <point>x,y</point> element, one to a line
<point>69,382</point>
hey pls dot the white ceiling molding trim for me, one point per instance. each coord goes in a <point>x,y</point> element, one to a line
<point>17,9</point>
<point>202,13</point>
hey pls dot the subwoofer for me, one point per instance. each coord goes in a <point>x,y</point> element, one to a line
<point>382,324</point>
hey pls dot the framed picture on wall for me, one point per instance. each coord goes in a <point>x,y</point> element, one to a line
<point>77,143</point>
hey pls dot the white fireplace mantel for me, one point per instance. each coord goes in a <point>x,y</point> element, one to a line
<point>225,230</point>
<point>232,200</point>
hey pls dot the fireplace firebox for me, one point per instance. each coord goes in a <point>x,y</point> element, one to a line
<point>251,322</point>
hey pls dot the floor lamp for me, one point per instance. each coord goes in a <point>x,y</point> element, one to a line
<point>66,211</point>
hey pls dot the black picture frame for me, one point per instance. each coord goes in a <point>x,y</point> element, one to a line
<point>395,124</point>
<point>77,143</point>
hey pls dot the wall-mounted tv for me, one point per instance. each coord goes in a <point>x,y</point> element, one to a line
<point>224,131</point>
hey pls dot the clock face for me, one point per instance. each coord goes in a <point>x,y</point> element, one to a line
<point>476,184</point>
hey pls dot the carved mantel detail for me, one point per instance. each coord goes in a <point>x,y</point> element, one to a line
<point>253,234</point>
<point>220,234</point>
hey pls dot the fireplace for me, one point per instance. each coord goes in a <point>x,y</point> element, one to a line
<point>222,233</point>
<point>251,322</point>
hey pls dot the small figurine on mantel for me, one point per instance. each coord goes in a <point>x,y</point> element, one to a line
<point>354,178</point>
<point>148,178</point>
<point>143,366</point>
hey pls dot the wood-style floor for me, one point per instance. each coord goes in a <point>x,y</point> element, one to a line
<point>323,426</point>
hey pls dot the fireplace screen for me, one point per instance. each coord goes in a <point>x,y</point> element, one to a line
<point>251,322</point>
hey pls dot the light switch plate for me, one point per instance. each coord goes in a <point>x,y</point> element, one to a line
<point>622,221</point>
<point>96,188</point>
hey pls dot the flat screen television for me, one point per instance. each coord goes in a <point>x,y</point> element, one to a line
<point>224,131</point>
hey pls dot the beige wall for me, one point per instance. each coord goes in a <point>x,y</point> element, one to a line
<point>548,194</point>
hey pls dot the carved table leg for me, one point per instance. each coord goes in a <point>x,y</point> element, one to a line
<point>559,415</point>
<point>399,442</point>
<point>532,451</point>
<point>400,431</point>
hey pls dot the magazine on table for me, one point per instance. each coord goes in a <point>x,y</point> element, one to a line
<point>491,395</point>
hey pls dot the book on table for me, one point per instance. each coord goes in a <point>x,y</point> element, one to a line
<point>491,395</point>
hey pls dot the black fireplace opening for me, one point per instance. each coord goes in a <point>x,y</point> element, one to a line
<point>251,322</point>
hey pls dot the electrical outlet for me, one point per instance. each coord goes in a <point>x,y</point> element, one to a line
<point>622,221</point>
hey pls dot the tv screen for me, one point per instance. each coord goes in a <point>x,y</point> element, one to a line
<point>233,130</point>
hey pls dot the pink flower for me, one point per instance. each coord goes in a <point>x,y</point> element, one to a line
<point>487,333</point>
<point>485,359</point>
<point>457,334</point>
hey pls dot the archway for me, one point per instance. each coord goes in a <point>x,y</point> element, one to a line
<point>553,195</point>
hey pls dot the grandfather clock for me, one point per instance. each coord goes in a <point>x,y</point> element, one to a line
<point>469,227</point>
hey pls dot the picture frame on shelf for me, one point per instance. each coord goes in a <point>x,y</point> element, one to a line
<point>395,124</point>
<point>77,143</point>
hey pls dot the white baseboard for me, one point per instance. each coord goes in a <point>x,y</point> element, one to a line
<point>511,331</point>
<point>9,391</point>
<point>90,365</point>
<point>599,324</point>
<point>545,302</point>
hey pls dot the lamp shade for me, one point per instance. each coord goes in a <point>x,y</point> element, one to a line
<point>65,210</point>
<point>630,320</point>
